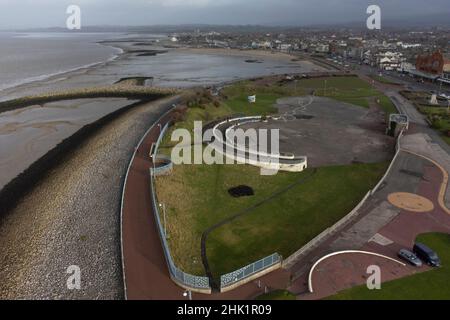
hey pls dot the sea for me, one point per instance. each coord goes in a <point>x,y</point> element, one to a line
<point>30,57</point>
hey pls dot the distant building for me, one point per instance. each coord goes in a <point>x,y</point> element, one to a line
<point>407,67</point>
<point>433,67</point>
<point>390,60</point>
<point>434,63</point>
<point>322,48</point>
<point>285,47</point>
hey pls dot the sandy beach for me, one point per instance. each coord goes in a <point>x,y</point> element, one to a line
<point>260,54</point>
<point>237,52</point>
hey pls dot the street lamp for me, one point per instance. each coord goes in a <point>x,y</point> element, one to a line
<point>163,206</point>
<point>188,294</point>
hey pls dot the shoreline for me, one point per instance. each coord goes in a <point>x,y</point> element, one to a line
<point>75,75</point>
<point>64,74</point>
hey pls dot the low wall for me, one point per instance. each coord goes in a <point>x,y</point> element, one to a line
<point>184,280</point>
<point>247,156</point>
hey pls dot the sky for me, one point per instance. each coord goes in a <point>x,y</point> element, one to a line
<point>52,13</point>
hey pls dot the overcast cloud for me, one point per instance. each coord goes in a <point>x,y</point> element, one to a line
<point>47,13</point>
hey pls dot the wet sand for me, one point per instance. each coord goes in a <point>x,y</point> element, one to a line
<point>267,54</point>
<point>29,133</point>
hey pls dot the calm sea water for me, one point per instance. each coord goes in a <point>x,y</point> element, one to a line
<point>36,56</point>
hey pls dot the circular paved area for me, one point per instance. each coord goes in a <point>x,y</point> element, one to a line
<point>411,202</point>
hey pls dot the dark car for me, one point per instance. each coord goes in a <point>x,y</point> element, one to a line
<point>427,255</point>
<point>410,257</point>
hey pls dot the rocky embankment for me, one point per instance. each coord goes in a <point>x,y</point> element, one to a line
<point>72,217</point>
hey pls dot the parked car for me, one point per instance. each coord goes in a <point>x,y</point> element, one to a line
<point>427,255</point>
<point>410,257</point>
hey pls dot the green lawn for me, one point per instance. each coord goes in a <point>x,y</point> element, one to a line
<point>266,97</point>
<point>346,89</point>
<point>387,105</point>
<point>427,285</point>
<point>284,224</point>
<point>197,196</point>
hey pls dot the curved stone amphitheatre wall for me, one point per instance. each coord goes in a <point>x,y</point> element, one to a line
<point>271,161</point>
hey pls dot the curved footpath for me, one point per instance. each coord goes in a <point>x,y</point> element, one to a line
<point>71,217</point>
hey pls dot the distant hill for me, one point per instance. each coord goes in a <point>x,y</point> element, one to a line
<point>419,21</point>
